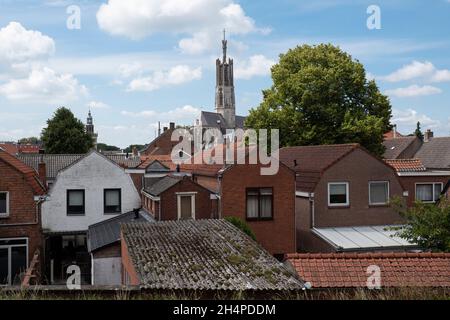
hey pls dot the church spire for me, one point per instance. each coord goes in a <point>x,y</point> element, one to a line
<point>224,46</point>
<point>225,100</point>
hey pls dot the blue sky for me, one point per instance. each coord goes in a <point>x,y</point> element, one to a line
<point>138,62</point>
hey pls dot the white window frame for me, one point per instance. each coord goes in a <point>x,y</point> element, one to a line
<point>5,214</point>
<point>347,191</point>
<point>186,194</point>
<point>425,183</point>
<point>388,194</point>
<point>9,247</point>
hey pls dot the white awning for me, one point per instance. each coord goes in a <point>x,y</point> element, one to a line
<point>356,238</point>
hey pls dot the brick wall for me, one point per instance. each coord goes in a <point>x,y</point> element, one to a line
<point>358,168</point>
<point>127,265</point>
<point>277,235</point>
<point>203,202</point>
<point>410,184</point>
<point>22,209</point>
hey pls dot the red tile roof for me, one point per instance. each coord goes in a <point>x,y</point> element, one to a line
<point>349,270</point>
<point>11,148</point>
<point>29,173</point>
<point>309,162</point>
<point>390,135</point>
<point>406,165</point>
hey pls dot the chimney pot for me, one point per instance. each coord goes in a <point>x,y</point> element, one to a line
<point>42,172</point>
<point>172,125</point>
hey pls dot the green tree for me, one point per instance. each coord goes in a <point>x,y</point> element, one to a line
<point>418,133</point>
<point>428,225</point>
<point>30,140</point>
<point>106,147</point>
<point>320,95</point>
<point>241,225</point>
<point>65,134</point>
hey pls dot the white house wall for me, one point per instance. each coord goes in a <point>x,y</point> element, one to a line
<point>93,173</point>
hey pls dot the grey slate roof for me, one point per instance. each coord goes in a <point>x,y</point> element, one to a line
<point>56,162</point>
<point>202,255</point>
<point>210,119</point>
<point>394,147</point>
<point>107,232</point>
<point>161,185</point>
<point>435,154</point>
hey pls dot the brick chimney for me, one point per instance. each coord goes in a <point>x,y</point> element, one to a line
<point>428,135</point>
<point>394,131</point>
<point>135,152</point>
<point>42,171</point>
<point>172,125</point>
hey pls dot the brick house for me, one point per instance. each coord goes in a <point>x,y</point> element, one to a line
<point>421,184</point>
<point>21,195</point>
<point>177,197</point>
<point>342,199</point>
<point>163,143</point>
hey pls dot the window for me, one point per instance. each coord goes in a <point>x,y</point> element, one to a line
<point>428,192</point>
<point>75,202</point>
<point>260,204</point>
<point>378,192</point>
<point>186,205</point>
<point>4,204</point>
<point>338,194</point>
<point>112,201</point>
<point>13,260</point>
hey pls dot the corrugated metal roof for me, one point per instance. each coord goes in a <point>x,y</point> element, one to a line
<point>202,255</point>
<point>162,185</point>
<point>369,237</point>
<point>56,162</point>
<point>107,232</point>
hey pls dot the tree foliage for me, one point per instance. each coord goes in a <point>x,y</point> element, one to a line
<point>428,225</point>
<point>418,133</point>
<point>320,95</point>
<point>106,147</point>
<point>65,134</point>
<point>241,225</point>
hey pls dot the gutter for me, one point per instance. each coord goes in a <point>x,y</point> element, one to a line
<point>39,201</point>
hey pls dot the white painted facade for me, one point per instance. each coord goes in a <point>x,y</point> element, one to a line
<point>94,173</point>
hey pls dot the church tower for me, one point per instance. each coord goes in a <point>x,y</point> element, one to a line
<point>225,99</point>
<point>90,129</point>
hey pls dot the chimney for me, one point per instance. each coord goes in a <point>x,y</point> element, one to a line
<point>136,213</point>
<point>159,128</point>
<point>164,129</point>
<point>172,125</point>
<point>394,131</point>
<point>42,171</point>
<point>428,135</point>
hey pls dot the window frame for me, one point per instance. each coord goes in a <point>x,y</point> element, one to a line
<point>186,194</point>
<point>259,218</point>
<point>433,187</point>
<point>5,214</point>
<point>388,193</point>
<point>84,203</point>
<point>347,195</point>
<point>104,201</point>
<point>9,248</point>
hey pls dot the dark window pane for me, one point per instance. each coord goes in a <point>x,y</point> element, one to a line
<point>338,198</point>
<point>3,266</point>
<point>112,201</point>
<point>266,206</point>
<point>338,193</point>
<point>252,206</point>
<point>75,202</point>
<point>18,263</point>
<point>437,191</point>
<point>3,202</point>
<point>424,192</point>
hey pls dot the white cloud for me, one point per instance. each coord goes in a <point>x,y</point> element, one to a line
<point>201,20</point>
<point>19,44</point>
<point>98,105</point>
<point>44,84</point>
<point>410,117</point>
<point>424,70</point>
<point>186,112</point>
<point>413,91</point>
<point>175,76</point>
<point>257,65</point>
